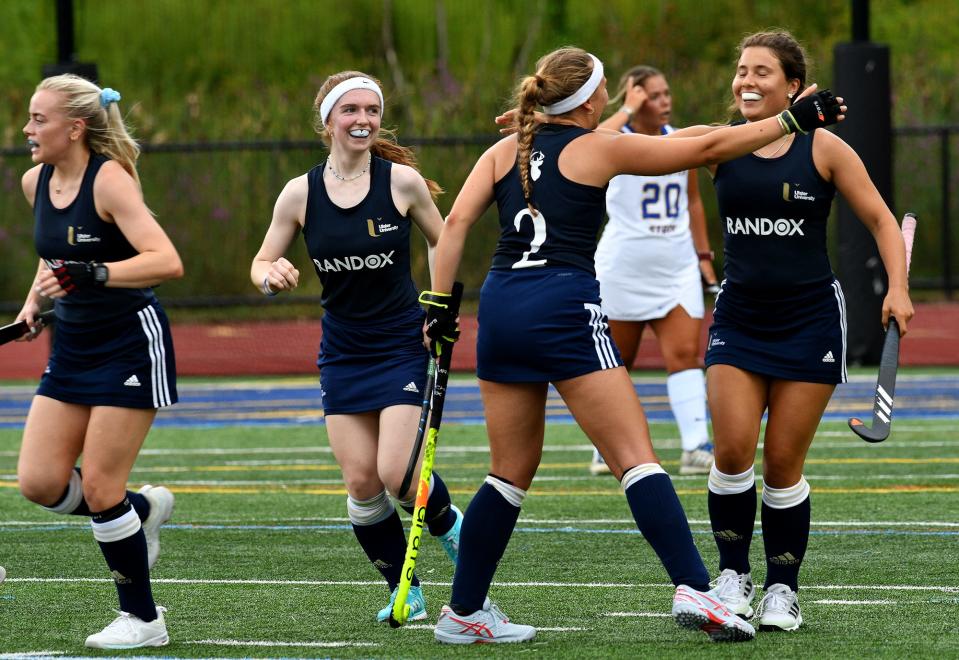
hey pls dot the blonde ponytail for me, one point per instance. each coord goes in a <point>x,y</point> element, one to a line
<point>105,131</point>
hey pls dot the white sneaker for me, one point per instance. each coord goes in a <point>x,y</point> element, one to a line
<point>736,590</point>
<point>161,508</point>
<point>131,632</point>
<point>704,611</point>
<point>697,461</point>
<point>598,464</point>
<point>486,626</point>
<point>779,609</point>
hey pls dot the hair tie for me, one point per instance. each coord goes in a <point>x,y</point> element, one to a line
<point>540,81</point>
<point>108,96</point>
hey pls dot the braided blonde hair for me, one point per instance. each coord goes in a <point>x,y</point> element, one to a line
<point>558,75</point>
<point>106,133</point>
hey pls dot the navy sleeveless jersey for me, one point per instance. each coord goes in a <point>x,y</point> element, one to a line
<point>774,214</point>
<point>570,213</point>
<point>361,254</point>
<point>77,233</point>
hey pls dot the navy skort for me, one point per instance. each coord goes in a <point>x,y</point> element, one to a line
<point>127,362</point>
<point>368,367</point>
<point>799,336</point>
<point>542,325</point>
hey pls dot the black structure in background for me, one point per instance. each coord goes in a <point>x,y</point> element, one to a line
<point>66,49</point>
<point>862,77</point>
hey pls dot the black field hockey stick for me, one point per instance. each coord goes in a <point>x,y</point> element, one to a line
<point>401,611</point>
<point>888,363</point>
<point>421,428</point>
<point>14,331</point>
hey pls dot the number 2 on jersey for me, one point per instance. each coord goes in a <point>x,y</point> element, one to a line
<point>539,237</point>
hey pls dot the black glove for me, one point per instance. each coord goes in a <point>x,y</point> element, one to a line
<point>74,275</point>
<point>814,111</point>
<point>442,319</point>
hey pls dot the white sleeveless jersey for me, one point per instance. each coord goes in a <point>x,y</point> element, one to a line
<point>645,260</point>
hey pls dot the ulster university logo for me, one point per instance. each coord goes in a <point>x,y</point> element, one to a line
<point>75,236</point>
<point>792,193</point>
<point>377,228</point>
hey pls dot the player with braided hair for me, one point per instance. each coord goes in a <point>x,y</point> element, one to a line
<point>540,322</point>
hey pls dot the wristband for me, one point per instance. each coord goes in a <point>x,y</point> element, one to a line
<point>265,288</point>
<point>626,110</point>
<point>706,256</point>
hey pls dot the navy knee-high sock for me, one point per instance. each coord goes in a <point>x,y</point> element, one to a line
<point>118,532</point>
<point>487,526</point>
<point>733,518</point>
<point>662,521</point>
<point>385,545</point>
<point>785,537</point>
<point>439,511</point>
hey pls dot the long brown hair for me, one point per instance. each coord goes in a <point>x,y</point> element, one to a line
<point>559,74</point>
<point>106,133</point>
<point>385,145</point>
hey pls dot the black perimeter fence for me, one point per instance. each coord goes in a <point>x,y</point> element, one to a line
<point>215,201</point>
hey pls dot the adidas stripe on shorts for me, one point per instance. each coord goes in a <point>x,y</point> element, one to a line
<point>542,325</point>
<point>370,366</point>
<point>793,335</point>
<point>127,362</point>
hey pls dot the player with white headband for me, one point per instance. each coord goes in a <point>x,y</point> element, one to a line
<point>541,323</point>
<point>356,211</point>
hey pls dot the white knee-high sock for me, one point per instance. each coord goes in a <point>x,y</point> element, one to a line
<point>687,398</point>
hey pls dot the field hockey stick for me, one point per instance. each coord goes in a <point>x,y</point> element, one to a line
<point>401,610</point>
<point>16,330</point>
<point>888,363</point>
<point>421,428</point>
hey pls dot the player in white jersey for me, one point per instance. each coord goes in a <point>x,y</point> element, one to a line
<point>651,262</point>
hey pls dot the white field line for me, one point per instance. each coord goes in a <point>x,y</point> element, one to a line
<point>655,615</point>
<point>853,602</point>
<point>275,483</point>
<point>547,585</point>
<point>29,654</point>
<point>522,521</point>
<point>428,626</point>
<point>264,643</point>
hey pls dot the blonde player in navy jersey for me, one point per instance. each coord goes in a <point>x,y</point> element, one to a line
<point>651,261</point>
<point>112,362</point>
<point>777,344</point>
<point>356,211</point>
<point>540,322</point>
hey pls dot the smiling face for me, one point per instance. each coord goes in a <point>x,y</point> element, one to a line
<point>354,121</point>
<point>760,86</point>
<point>656,111</point>
<point>49,131</point>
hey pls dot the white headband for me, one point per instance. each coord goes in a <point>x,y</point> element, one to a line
<point>346,86</point>
<point>581,95</point>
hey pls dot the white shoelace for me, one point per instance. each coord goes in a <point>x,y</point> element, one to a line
<point>730,586</point>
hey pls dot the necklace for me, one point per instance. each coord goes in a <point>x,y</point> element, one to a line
<point>778,149</point>
<point>329,164</point>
